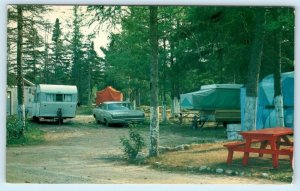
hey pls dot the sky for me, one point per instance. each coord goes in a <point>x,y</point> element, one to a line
<point>65,15</point>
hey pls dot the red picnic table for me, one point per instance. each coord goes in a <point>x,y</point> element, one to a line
<point>275,137</point>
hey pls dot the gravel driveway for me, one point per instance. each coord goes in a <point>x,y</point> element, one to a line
<point>76,154</point>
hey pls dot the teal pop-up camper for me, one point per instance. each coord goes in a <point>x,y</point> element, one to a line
<point>217,102</point>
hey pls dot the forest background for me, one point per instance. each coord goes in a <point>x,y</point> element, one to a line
<point>196,45</point>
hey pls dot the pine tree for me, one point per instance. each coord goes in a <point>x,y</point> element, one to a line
<point>58,55</point>
<point>33,54</point>
<point>77,55</point>
<point>32,43</point>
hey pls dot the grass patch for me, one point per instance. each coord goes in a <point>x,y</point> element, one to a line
<point>173,134</point>
<point>214,155</point>
<point>32,135</point>
<point>78,124</point>
<point>84,110</point>
<point>188,131</point>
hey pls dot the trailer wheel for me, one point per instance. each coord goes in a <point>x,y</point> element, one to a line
<point>36,119</point>
<point>59,121</point>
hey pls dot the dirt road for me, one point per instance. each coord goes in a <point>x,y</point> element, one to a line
<point>92,155</point>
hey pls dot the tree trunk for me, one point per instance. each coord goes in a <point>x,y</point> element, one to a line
<point>172,79</point>
<point>46,55</point>
<point>164,102</point>
<point>278,98</point>
<point>254,69</point>
<point>20,84</point>
<point>89,79</point>
<point>154,119</point>
<point>89,87</point>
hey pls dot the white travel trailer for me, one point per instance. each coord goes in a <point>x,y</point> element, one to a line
<point>56,102</point>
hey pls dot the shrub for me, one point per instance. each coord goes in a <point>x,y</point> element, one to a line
<point>14,130</point>
<point>15,134</point>
<point>133,145</point>
<point>84,110</point>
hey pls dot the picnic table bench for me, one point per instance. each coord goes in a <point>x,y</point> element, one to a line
<point>270,136</point>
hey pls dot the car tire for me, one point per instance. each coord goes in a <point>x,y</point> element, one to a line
<point>106,122</point>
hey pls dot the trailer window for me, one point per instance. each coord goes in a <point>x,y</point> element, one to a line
<point>59,97</point>
<point>37,97</point>
<point>49,97</point>
<point>68,98</point>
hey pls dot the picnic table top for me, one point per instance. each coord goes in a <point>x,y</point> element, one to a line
<point>276,131</point>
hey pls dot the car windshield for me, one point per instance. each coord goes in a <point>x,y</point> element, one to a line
<point>119,106</point>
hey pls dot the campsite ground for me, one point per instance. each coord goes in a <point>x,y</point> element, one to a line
<point>81,151</point>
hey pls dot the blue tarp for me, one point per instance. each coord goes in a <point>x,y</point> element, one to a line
<point>265,108</point>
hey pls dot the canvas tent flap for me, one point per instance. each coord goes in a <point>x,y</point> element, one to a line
<point>266,116</point>
<point>211,98</point>
<point>108,94</point>
<point>266,90</point>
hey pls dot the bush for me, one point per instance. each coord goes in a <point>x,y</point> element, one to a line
<point>14,130</point>
<point>84,110</point>
<point>133,145</point>
<point>16,135</point>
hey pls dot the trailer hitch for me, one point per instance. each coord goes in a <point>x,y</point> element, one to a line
<point>59,116</point>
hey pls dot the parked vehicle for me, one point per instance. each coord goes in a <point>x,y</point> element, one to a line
<point>117,112</point>
<point>216,102</point>
<point>57,102</point>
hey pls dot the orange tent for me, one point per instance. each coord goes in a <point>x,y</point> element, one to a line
<point>108,94</point>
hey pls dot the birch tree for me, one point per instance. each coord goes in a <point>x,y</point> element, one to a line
<point>21,106</point>
<point>154,119</point>
<point>254,69</point>
<point>278,98</point>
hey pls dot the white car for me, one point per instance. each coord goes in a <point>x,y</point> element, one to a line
<point>117,112</point>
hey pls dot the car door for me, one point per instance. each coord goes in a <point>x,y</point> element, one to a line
<point>101,110</point>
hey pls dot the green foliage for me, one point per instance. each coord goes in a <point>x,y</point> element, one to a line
<point>15,134</point>
<point>33,42</point>
<point>14,131</point>
<point>197,46</point>
<point>133,145</point>
<point>84,110</point>
<point>60,64</point>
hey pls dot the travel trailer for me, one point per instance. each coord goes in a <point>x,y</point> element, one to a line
<point>56,102</point>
